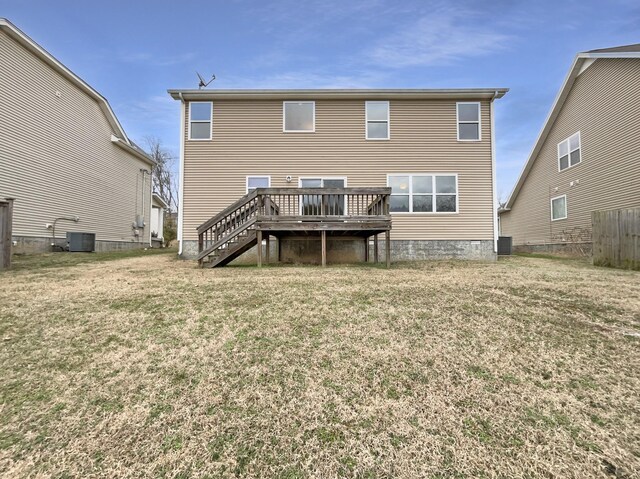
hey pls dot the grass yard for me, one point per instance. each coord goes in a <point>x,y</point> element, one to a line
<point>148,367</point>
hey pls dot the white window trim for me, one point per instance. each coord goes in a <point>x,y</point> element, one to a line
<point>569,151</point>
<point>566,207</point>
<point>256,176</point>
<point>284,129</point>
<point>366,121</point>
<point>201,121</point>
<point>479,122</point>
<point>439,213</point>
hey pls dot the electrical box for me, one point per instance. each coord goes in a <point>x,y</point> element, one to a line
<point>81,242</point>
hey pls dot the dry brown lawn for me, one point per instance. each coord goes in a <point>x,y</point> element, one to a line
<point>149,367</point>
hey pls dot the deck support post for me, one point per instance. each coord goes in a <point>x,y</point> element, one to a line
<point>266,254</point>
<point>279,249</point>
<point>366,249</point>
<point>323,239</point>
<point>375,249</point>
<point>387,247</point>
<point>6,225</point>
<point>259,247</point>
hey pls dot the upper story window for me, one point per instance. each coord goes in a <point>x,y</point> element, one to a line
<point>254,182</point>
<point>569,152</point>
<point>299,116</point>
<point>200,114</point>
<point>424,193</point>
<point>468,115</point>
<point>377,120</point>
<point>559,208</point>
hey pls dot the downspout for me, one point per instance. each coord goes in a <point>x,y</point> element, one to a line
<point>146,172</point>
<point>493,176</point>
<point>181,175</point>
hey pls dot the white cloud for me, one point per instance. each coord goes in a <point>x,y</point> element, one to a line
<point>441,37</point>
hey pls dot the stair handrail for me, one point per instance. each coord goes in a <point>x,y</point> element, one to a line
<point>243,200</point>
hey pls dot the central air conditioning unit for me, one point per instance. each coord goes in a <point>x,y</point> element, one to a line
<point>81,242</point>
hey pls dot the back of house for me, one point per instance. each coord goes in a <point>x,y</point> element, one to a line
<point>587,157</point>
<point>433,148</point>
<point>64,156</point>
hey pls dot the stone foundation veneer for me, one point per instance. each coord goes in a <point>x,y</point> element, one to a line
<point>31,245</point>
<point>350,250</point>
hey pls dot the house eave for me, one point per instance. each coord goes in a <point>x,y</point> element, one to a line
<point>130,149</point>
<point>159,200</point>
<point>334,94</point>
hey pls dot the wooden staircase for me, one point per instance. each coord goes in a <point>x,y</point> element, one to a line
<point>228,234</point>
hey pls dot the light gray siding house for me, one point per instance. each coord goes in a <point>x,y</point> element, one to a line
<point>323,172</point>
<point>64,155</point>
<point>587,157</point>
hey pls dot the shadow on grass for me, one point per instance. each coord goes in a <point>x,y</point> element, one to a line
<point>32,262</point>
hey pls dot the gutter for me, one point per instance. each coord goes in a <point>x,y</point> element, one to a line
<point>329,94</point>
<point>130,149</point>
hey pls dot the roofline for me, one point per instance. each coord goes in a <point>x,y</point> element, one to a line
<point>130,149</point>
<point>50,60</point>
<point>159,199</point>
<point>326,94</point>
<point>574,72</point>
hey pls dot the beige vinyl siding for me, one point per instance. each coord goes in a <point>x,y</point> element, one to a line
<point>248,140</point>
<point>57,158</point>
<point>603,106</point>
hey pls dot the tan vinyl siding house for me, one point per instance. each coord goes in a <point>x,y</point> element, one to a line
<point>64,154</point>
<point>248,140</point>
<point>600,102</point>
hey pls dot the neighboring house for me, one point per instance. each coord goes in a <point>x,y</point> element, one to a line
<point>64,155</point>
<point>158,208</point>
<point>586,158</point>
<point>427,154</point>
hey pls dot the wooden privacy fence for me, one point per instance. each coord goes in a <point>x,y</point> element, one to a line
<point>616,238</point>
<point>6,222</point>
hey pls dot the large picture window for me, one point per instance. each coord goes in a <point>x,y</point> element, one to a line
<point>423,193</point>
<point>299,116</point>
<point>569,152</point>
<point>200,115</point>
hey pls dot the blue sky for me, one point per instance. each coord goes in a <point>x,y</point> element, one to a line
<point>132,51</point>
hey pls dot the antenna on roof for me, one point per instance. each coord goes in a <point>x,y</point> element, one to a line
<point>202,84</point>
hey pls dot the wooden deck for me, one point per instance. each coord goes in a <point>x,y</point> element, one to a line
<point>279,212</point>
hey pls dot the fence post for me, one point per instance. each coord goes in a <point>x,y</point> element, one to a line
<point>6,223</point>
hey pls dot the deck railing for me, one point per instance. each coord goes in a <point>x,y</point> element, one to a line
<point>323,204</point>
<point>278,209</point>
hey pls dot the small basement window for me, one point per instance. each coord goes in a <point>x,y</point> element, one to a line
<point>377,120</point>
<point>468,117</point>
<point>299,116</point>
<point>254,182</point>
<point>200,114</point>
<point>559,208</point>
<point>569,152</point>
